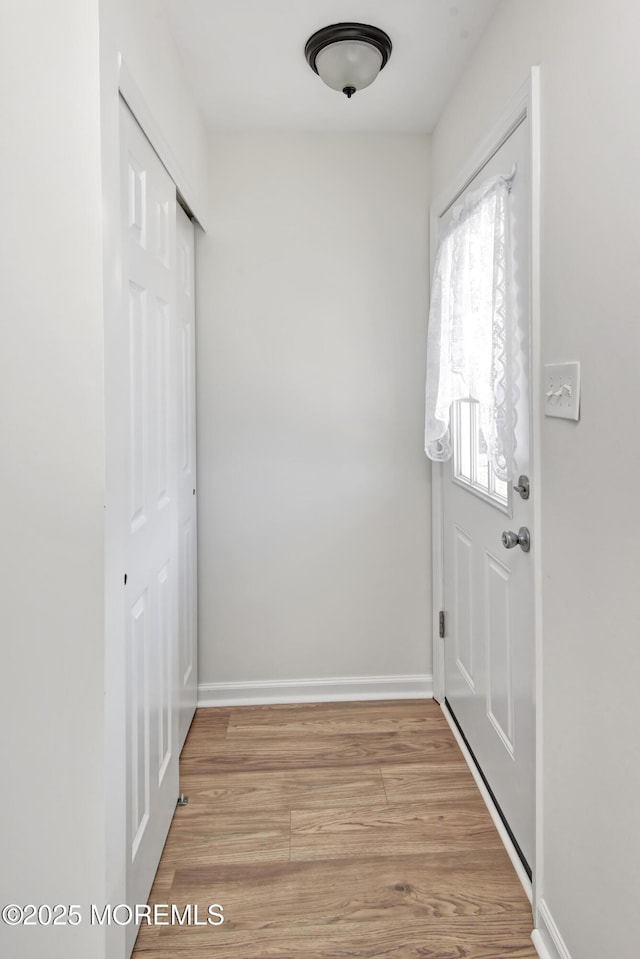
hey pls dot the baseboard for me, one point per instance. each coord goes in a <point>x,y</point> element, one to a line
<point>493,812</point>
<point>340,689</point>
<point>546,937</point>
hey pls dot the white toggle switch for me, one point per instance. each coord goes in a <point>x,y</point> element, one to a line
<point>562,390</point>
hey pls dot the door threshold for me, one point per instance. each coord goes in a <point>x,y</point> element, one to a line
<point>513,850</point>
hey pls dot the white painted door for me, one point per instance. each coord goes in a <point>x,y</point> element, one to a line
<point>148,382</point>
<point>187,604</point>
<point>488,589</point>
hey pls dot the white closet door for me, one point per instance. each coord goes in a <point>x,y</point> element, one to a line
<point>148,381</point>
<point>187,605</point>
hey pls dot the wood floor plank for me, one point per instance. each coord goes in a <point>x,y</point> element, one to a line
<point>208,726</point>
<point>197,836</point>
<point>210,717</point>
<point>300,788</point>
<point>406,829</point>
<point>425,939</point>
<point>335,831</point>
<point>267,896</point>
<point>346,726</point>
<point>333,720</point>
<point>163,882</point>
<point>416,783</point>
<point>308,712</point>
<point>285,752</point>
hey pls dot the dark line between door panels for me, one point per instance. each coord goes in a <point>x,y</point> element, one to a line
<point>521,857</point>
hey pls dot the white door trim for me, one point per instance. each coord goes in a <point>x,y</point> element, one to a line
<point>526,103</point>
<point>134,98</point>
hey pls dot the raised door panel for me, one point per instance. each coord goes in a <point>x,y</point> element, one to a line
<point>165,665</point>
<point>139,745</point>
<point>138,413</point>
<point>499,682</point>
<point>463,606</point>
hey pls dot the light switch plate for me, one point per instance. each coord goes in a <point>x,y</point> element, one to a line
<point>562,390</point>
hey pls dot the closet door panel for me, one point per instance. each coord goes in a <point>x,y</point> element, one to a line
<point>188,615</point>
<point>148,375</point>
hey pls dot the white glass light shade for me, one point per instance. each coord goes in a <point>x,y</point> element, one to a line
<point>348,63</point>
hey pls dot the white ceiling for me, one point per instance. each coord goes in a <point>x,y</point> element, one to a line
<point>244,61</point>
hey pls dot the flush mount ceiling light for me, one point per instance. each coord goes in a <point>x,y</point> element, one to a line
<point>348,56</point>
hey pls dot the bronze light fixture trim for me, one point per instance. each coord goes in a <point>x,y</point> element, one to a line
<point>348,56</point>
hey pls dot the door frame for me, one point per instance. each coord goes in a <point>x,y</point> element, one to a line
<point>524,105</point>
<point>134,98</point>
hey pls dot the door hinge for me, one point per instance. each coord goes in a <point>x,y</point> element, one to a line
<point>441,623</point>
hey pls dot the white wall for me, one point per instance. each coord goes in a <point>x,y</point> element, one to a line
<point>59,109</point>
<point>139,32</point>
<point>51,422</point>
<point>590,295</point>
<point>313,487</point>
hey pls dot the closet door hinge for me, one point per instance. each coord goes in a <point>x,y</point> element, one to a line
<point>441,624</point>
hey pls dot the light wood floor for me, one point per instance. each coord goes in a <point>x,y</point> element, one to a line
<point>335,831</point>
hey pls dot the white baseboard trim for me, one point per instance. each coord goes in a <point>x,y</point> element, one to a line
<point>539,946</point>
<point>340,689</point>
<point>546,937</point>
<point>493,812</point>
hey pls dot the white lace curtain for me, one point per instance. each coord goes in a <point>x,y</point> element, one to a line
<point>471,346</point>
